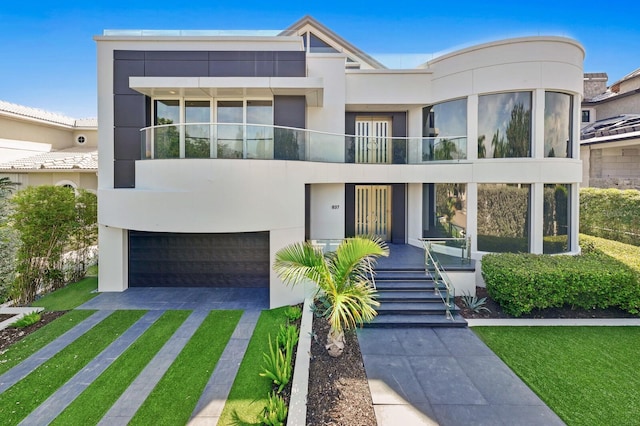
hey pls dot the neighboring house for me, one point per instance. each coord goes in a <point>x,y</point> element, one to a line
<point>39,147</point>
<point>219,148</point>
<point>610,134</point>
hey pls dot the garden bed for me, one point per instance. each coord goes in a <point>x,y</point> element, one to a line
<point>11,335</point>
<point>338,388</point>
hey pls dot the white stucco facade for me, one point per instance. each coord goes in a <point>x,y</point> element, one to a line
<point>292,199</point>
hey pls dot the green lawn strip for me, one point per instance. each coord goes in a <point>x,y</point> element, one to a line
<point>587,375</point>
<point>175,396</point>
<point>37,340</point>
<point>23,397</point>
<point>97,399</point>
<point>69,297</point>
<point>249,393</point>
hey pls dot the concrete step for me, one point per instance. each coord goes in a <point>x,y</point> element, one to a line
<point>408,296</point>
<point>401,275</point>
<point>416,321</point>
<point>404,285</point>
<point>413,308</point>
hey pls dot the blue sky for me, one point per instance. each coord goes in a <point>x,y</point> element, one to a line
<point>48,56</point>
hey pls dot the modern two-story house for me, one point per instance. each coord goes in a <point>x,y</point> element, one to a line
<point>216,149</point>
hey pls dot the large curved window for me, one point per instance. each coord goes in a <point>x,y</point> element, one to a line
<point>444,130</point>
<point>557,125</point>
<point>557,198</point>
<point>504,125</point>
<point>503,217</point>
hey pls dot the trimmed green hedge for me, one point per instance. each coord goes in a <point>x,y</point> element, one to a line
<point>523,282</point>
<point>611,214</point>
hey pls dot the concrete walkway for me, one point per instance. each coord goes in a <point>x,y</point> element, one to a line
<point>447,377</point>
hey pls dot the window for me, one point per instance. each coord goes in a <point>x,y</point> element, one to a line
<point>186,128</point>
<point>556,218</point>
<point>444,130</point>
<point>586,116</point>
<point>557,125</point>
<point>504,125</point>
<point>503,217</point>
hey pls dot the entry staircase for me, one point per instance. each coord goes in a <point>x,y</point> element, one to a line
<point>415,295</point>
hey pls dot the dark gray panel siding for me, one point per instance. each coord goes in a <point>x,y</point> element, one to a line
<point>289,111</point>
<point>198,260</point>
<point>132,110</point>
<point>398,215</point>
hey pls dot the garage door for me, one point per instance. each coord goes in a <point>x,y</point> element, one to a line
<point>198,260</point>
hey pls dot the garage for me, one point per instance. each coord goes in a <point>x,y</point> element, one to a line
<point>198,260</point>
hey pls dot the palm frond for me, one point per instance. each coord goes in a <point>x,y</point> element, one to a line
<point>300,261</point>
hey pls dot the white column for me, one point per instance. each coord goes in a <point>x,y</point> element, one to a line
<point>113,274</point>
<point>472,127</point>
<point>414,214</point>
<point>574,218</point>
<point>536,216</point>
<point>279,293</point>
<point>472,216</point>
<point>537,136</point>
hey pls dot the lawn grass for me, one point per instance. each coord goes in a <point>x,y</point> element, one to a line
<point>249,393</point>
<point>174,398</point>
<point>587,375</point>
<point>37,340</point>
<point>92,404</point>
<point>69,297</point>
<point>23,397</point>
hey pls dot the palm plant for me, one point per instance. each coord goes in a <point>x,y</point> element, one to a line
<point>343,280</point>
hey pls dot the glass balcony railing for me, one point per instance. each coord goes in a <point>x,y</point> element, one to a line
<point>254,141</point>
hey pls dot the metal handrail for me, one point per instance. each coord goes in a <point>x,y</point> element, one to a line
<point>439,276</point>
<point>465,255</point>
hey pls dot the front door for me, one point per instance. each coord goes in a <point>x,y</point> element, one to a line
<point>373,210</point>
<point>373,140</point>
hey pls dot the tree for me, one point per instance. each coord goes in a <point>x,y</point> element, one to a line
<point>342,278</point>
<point>498,145</point>
<point>85,232</point>
<point>8,240</point>
<point>44,218</point>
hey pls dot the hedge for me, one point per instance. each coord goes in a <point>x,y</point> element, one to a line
<point>523,282</point>
<point>611,214</point>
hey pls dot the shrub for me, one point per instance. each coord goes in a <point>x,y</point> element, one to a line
<point>278,364</point>
<point>275,412</point>
<point>293,313</point>
<point>27,320</point>
<point>523,282</point>
<point>287,335</point>
<point>611,214</point>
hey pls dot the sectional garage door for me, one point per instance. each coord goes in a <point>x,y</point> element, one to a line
<point>198,260</point>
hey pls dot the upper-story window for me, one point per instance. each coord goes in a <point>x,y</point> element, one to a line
<point>558,125</point>
<point>504,125</point>
<point>444,129</point>
<point>213,129</point>
<point>586,116</point>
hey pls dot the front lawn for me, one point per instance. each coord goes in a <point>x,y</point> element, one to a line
<point>23,397</point>
<point>70,296</point>
<point>250,391</point>
<point>587,375</point>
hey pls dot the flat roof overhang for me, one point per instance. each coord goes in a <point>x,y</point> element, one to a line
<point>312,88</point>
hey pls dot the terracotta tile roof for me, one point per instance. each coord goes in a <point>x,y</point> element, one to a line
<point>43,115</point>
<point>66,159</point>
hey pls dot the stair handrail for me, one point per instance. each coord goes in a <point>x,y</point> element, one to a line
<point>465,255</point>
<point>439,276</point>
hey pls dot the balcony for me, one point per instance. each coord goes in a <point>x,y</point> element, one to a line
<point>253,141</point>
